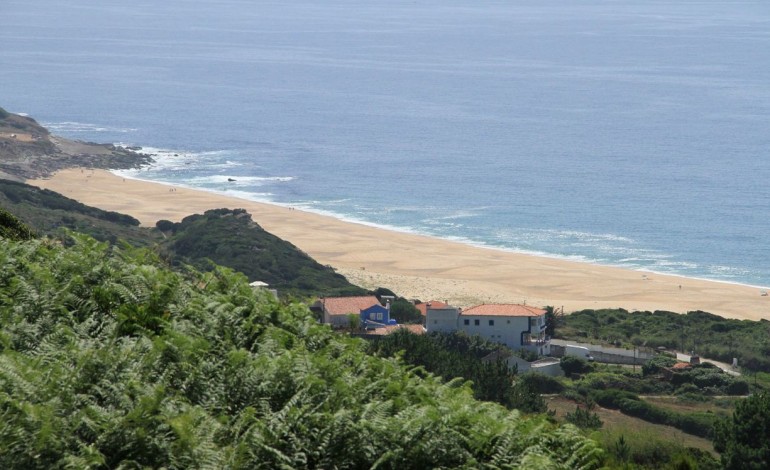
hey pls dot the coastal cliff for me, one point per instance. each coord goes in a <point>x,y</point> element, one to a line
<point>29,151</point>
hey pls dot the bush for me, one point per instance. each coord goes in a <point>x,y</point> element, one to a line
<point>584,418</point>
<point>524,396</point>
<point>404,311</point>
<point>697,424</point>
<point>657,363</point>
<point>744,439</point>
<point>543,383</point>
<point>737,387</point>
<point>165,225</point>
<point>574,365</point>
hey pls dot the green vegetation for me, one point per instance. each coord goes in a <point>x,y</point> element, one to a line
<point>48,212</point>
<point>644,449</point>
<point>225,237</point>
<point>631,443</point>
<point>697,424</point>
<point>584,417</point>
<point>744,439</point>
<point>708,335</point>
<point>110,360</point>
<point>3,113</point>
<point>571,365</point>
<point>12,228</point>
<point>453,356</point>
<point>231,238</point>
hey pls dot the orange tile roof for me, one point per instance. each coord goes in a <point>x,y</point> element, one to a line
<point>681,365</point>
<point>504,310</point>
<point>386,330</point>
<point>423,307</point>
<point>346,305</point>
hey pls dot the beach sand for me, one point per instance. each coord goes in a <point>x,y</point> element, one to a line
<point>423,267</point>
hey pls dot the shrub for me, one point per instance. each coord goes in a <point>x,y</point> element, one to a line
<point>657,363</point>
<point>525,397</point>
<point>574,365</point>
<point>744,439</point>
<point>584,418</point>
<point>543,383</point>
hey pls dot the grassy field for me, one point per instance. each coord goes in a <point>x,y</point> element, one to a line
<point>723,406</point>
<point>616,423</point>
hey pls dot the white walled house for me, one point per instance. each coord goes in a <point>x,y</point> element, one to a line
<point>516,326</point>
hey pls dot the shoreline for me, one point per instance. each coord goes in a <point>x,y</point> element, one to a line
<point>459,240</point>
<point>422,266</point>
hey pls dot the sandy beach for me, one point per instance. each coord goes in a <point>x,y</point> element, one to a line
<point>422,267</point>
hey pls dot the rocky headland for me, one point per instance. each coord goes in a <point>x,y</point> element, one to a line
<point>29,151</point>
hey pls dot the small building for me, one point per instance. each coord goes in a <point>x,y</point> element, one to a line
<point>441,317</point>
<point>336,311</point>
<point>546,366</point>
<point>424,306</point>
<point>516,326</point>
<point>376,316</point>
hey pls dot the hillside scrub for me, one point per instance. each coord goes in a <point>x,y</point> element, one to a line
<point>110,360</point>
<point>453,356</point>
<point>220,237</point>
<point>708,335</point>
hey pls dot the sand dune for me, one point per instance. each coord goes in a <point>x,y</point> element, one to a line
<point>423,267</point>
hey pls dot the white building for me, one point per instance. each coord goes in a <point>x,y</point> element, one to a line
<point>516,326</point>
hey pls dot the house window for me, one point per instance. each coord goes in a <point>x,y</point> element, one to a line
<point>435,322</point>
<point>466,322</point>
<point>533,322</point>
<point>509,322</point>
<point>476,322</point>
<point>491,323</point>
<point>379,315</point>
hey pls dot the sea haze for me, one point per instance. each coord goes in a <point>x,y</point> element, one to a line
<point>630,133</point>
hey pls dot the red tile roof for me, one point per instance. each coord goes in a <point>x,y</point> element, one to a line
<point>504,310</point>
<point>681,365</point>
<point>423,307</point>
<point>346,305</point>
<point>386,330</point>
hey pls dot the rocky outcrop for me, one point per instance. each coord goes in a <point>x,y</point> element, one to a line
<point>29,151</point>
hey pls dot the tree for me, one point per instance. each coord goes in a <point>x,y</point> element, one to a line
<point>404,311</point>
<point>584,417</point>
<point>525,397</point>
<point>574,365</point>
<point>550,321</point>
<point>744,439</point>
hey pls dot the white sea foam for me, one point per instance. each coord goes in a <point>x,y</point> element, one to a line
<point>74,127</point>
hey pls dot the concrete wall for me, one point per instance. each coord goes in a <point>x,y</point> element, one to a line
<point>547,367</point>
<point>609,355</point>
<point>443,320</point>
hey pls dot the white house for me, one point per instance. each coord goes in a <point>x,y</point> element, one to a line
<point>516,326</point>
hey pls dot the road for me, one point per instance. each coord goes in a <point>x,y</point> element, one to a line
<point>645,352</point>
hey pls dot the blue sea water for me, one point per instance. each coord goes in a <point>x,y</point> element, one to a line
<point>631,133</point>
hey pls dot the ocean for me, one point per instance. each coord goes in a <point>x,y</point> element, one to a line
<point>627,133</point>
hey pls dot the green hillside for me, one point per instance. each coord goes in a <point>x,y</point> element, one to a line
<point>110,360</point>
<point>227,237</point>
<point>231,238</point>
